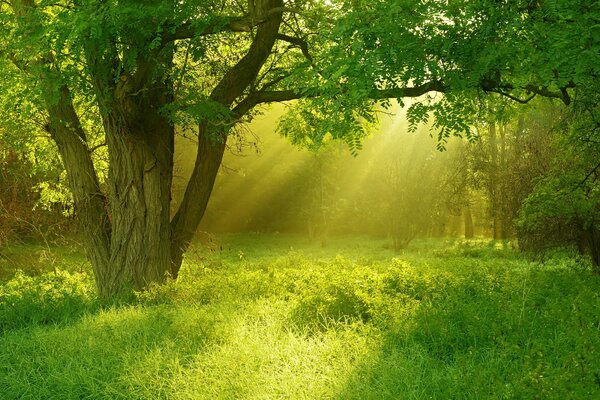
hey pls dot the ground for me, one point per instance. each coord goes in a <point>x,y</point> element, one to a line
<point>276,317</point>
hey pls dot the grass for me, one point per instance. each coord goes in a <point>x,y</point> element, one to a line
<point>37,258</point>
<point>280,318</point>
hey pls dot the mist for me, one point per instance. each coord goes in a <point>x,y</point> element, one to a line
<point>399,185</point>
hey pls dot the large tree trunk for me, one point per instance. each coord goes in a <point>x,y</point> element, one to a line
<point>89,201</point>
<point>140,140</point>
<point>140,143</point>
<point>140,174</point>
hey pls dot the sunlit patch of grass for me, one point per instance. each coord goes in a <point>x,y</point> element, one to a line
<point>52,298</point>
<point>443,319</point>
<point>264,359</point>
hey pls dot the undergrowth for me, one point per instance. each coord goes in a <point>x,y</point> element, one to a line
<point>275,319</point>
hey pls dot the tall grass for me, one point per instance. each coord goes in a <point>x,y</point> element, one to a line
<point>279,318</point>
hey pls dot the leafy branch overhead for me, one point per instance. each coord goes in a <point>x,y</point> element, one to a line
<point>347,49</point>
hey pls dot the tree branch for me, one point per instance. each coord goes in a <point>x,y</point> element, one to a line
<point>297,42</point>
<point>508,95</point>
<point>244,23</point>
<point>562,95</point>
<point>588,175</point>
<point>96,147</point>
<point>272,96</point>
<point>274,82</point>
<point>414,91</point>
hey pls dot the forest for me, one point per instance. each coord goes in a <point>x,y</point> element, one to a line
<point>299,199</point>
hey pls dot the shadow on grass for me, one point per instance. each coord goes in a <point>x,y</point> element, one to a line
<point>534,335</point>
<point>114,354</point>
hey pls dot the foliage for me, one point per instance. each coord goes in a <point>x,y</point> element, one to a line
<point>518,49</point>
<point>512,150</point>
<point>564,206</point>
<point>33,197</point>
<point>471,47</point>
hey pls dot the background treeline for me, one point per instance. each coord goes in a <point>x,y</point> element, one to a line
<point>34,203</point>
<point>529,174</point>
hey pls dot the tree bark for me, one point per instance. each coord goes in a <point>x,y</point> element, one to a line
<point>140,175</point>
<point>89,201</point>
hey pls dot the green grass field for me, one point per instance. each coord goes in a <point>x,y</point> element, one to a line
<point>276,317</point>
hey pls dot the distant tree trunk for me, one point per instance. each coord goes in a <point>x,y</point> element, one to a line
<point>493,183</point>
<point>441,229</point>
<point>498,228</point>
<point>592,238</point>
<point>468,221</point>
<point>317,218</point>
<point>501,198</point>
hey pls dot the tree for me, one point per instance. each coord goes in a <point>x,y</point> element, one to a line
<point>412,188</point>
<point>511,151</point>
<point>564,206</point>
<point>136,69</point>
<point>120,59</point>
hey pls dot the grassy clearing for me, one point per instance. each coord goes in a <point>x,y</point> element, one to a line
<point>279,318</point>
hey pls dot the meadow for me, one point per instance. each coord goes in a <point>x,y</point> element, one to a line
<point>279,317</point>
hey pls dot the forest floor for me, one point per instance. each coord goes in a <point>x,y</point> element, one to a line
<point>276,317</point>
